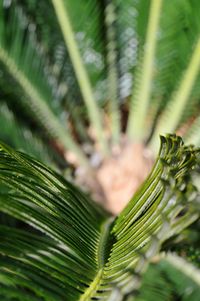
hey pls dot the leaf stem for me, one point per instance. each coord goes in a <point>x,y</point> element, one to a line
<point>105,232</point>
<point>82,76</point>
<point>140,99</point>
<point>174,110</point>
<point>113,90</point>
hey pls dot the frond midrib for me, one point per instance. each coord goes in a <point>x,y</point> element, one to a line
<point>140,100</point>
<point>101,258</point>
<point>179,99</point>
<point>94,112</point>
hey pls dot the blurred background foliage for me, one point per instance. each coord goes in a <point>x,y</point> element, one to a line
<point>37,69</point>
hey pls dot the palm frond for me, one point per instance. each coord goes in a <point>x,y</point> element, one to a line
<point>132,18</point>
<point>42,17</point>
<point>94,74</point>
<point>112,55</point>
<point>150,219</point>
<point>26,65</point>
<point>81,73</point>
<point>176,106</point>
<point>82,252</point>
<point>176,81</point>
<point>139,106</point>
<point>39,204</point>
<point>177,35</point>
<point>20,137</point>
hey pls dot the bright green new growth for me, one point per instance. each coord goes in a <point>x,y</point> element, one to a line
<point>79,252</point>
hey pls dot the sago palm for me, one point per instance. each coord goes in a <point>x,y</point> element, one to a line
<point>87,87</point>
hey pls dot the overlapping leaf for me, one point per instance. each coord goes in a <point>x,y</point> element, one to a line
<point>78,249</point>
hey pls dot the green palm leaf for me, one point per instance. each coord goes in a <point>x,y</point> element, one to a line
<point>26,65</point>
<point>174,54</point>
<point>147,71</point>
<point>78,252</point>
<point>20,137</point>
<point>81,73</point>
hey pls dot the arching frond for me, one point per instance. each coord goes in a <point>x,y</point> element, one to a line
<point>77,248</point>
